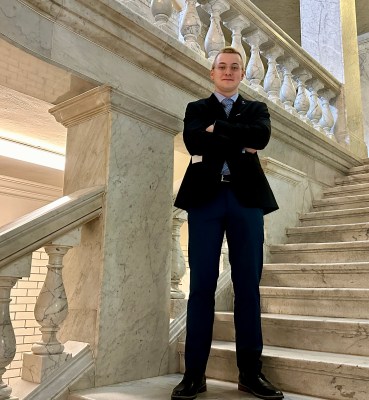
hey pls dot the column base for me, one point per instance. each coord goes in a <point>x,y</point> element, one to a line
<point>37,368</point>
<point>177,306</point>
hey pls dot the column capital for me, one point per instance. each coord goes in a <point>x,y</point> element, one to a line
<point>105,99</point>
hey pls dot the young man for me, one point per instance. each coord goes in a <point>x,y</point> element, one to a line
<point>225,190</point>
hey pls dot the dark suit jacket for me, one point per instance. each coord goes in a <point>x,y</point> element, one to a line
<point>248,125</point>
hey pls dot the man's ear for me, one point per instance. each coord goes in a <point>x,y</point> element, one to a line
<point>212,74</point>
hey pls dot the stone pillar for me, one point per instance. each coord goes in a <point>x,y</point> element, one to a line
<point>328,33</point>
<point>118,280</point>
<point>364,77</point>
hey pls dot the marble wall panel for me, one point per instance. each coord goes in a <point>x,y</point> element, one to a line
<point>134,301</point>
<point>328,33</point>
<point>109,68</point>
<point>364,76</point>
<point>22,25</point>
<point>294,192</point>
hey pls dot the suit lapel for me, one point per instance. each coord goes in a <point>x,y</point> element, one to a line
<point>239,105</point>
<point>216,107</point>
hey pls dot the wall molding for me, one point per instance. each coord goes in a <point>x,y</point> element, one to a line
<point>24,189</point>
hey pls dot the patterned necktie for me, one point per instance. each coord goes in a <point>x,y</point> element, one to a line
<point>227,104</point>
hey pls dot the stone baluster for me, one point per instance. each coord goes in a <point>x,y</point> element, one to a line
<point>214,40</point>
<point>288,90</point>
<point>51,307</point>
<point>190,26</point>
<point>327,120</point>
<point>315,110</point>
<point>302,103</point>
<point>225,255</point>
<point>7,341</point>
<point>178,261</point>
<point>236,26</point>
<point>161,10</point>
<point>50,311</point>
<point>255,69</point>
<point>272,80</point>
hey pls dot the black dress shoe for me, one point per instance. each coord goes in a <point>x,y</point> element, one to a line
<point>259,386</point>
<point>188,388</point>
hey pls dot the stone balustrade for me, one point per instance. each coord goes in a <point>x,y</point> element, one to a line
<point>277,68</point>
<point>57,228</point>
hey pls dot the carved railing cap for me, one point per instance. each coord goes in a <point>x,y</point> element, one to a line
<point>31,231</point>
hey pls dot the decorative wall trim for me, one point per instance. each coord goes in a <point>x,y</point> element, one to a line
<point>104,99</point>
<point>23,189</point>
<point>282,171</point>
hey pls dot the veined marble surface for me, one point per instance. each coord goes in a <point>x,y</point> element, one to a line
<point>320,33</point>
<point>161,387</point>
<point>118,280</point>
<point>328,33</point>
<point>364,76</point>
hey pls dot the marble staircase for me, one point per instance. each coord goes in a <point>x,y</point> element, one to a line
<point>315,301</point>
<point>315,310</point>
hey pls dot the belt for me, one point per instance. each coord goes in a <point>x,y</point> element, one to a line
<point>225,178</point>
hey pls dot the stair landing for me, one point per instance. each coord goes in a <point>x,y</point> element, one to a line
<point>160,388</point>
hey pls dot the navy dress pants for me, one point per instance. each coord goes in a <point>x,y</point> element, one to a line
<point>244,229</point>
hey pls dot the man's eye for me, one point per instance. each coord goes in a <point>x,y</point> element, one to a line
<point>222,67</point>
<point>235,67</point>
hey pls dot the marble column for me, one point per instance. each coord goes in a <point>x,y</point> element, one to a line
<point>328,33</point>
<point>364,78</point>
<point>118,280</point>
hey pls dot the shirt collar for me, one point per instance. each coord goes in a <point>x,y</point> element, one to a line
<point>220,97</point>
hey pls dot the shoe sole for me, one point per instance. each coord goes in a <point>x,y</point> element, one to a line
<point>202,389</point>
<point>244,388</point>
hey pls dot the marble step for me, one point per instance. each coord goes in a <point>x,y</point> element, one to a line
<point>334,252</point>
<point>342,203</point>
<point>361,169</point>
<point>317,275</point>
<point>160,388</point>
<point>336,335</point>
<point>328,233</point>
<point>326,375</point>
<point>319,302</point>
<point>335,217</point>
<point>347,190</point>
<point>352,179</point>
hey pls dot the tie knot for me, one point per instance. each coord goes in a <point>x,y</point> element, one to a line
<point>227,104</point>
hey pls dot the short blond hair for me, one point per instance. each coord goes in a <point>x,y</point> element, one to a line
<point>228,50</point>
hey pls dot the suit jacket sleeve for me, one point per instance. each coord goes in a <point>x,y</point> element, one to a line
<point>251,130</point>
<point>195,137</point>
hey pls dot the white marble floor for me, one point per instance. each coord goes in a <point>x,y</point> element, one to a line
<point>160,388</point>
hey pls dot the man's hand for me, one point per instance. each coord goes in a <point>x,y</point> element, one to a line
<point>210,128</point>
<point>250,150</point>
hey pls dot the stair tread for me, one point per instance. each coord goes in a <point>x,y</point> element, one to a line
<point>329,245</point>
<point>296,265</point>
<point>298,354</point>
<point>329,227</point>
<point>227,316</point>
<point>159,388</point>
<point>357,210</point>
<point>363,291</point>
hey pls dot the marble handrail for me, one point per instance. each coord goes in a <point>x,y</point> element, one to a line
<point>33,230</point>
<point>56,227</point>
<point>292,79</point>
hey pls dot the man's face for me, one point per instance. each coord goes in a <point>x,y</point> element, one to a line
<point>227,73</point>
